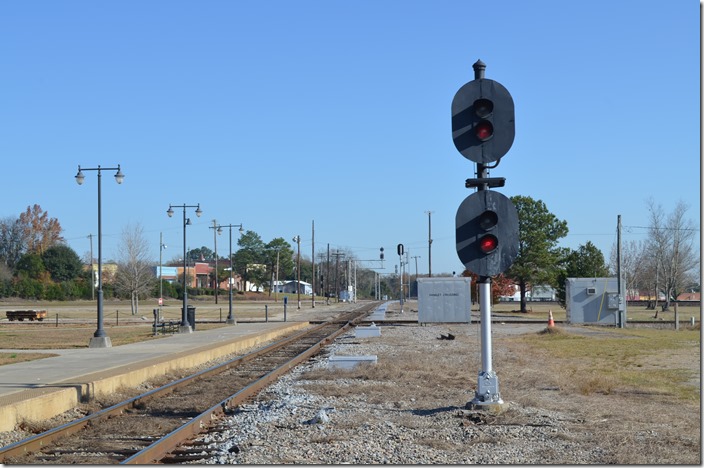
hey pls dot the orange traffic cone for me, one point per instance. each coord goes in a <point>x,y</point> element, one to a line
<point>551,321</point>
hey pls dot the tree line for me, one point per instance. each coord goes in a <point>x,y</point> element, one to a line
<point>36,263</point>
<point>665,263</point>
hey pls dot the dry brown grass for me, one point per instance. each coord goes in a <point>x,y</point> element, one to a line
<point>76,322</point>
<point>605,387</point>
<point>13,358</point>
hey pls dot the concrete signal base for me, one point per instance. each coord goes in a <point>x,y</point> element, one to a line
<point>492,407</point>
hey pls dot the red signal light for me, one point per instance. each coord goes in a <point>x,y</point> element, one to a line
<point>488,243</point>
<point>484,130</point>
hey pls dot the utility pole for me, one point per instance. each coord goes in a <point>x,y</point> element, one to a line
<point>161,277</point>
<point>312,256</point>
<point>297,239</point>
<point>399,251</point>
<point>430,242</point>
<point>621,311</point>
<point>215,241</point>
<point>327,278</point>
<point>337,254</point>
<point>416,257</point>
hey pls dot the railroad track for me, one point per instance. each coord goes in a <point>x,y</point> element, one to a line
<point>152,426</point>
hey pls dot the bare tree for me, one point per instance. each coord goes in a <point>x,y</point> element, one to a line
<point>11,242</point>
<point>635,265</point>
<point>670,242</point>
<point>134,274</point>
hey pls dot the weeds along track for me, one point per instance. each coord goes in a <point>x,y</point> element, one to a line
<point>150,427</point>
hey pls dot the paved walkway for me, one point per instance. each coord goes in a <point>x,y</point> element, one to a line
<point>74,363</point>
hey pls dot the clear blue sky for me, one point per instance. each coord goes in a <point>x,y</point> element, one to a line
<point>278,113</point>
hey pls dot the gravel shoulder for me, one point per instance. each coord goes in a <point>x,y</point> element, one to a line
<point>409,408</point>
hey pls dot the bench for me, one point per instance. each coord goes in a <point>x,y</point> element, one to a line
<point>165,327</point>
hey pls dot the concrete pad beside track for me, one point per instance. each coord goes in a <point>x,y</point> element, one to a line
<point>41,389</point>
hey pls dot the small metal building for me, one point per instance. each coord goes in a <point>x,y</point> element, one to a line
<point>291,287</point>
<point>592,300</point>
<point>444,299</point>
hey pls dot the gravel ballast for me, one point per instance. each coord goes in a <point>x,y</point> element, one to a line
<point>320,416</point>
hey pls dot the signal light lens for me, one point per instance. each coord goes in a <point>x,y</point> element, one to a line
<point>484,130</point>
<point>483,107</point>
<point>488,220</point>
<point>488,243</point>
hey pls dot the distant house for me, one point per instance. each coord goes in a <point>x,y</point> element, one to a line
<point>291,287</point>
<point>536,293</point>
<point>237,282</point>
<point>690,296</point>
<point>109,271</point>
<point>202,271</point>
<point>197,275</point>
<point>541,293</point>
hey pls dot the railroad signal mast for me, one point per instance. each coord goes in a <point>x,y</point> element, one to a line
<point>486,223</point>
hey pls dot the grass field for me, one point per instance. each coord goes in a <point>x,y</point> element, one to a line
<point>72,324</point>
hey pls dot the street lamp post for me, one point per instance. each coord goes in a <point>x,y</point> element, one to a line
<point>184,327</point>
<point>100,338</point>
<point>230,316</point>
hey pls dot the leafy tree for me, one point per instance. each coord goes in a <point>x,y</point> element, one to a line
<point>62,263</point>
<point>278,255</point>
<point>538,255</point>
<point>201,254</point>
<point>222,273</point>
<point>39,232</point>
<point>247,259</point>
<point>585,262</point>
<point>169,289</point>
<point>500,286</point>
<point>30,266</point>
<point>28,288</point>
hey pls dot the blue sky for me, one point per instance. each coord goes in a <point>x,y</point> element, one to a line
<point>277,113</point>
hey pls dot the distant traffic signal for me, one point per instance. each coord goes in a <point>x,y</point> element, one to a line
<point>486,233</point>
<point>483,122</point>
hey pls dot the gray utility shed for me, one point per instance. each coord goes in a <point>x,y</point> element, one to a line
<point>444,299</point>
<point>592,300</point>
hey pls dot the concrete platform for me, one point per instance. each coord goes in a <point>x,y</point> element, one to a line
<point>41,389</point>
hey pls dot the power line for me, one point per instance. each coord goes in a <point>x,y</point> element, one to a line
<point>662,228</point>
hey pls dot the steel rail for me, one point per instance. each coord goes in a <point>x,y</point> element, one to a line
<point>39,441</point>
<point>159,449</point>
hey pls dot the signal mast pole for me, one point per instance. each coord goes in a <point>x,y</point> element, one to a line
<point>483,129</point>
<point>487,382</point>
